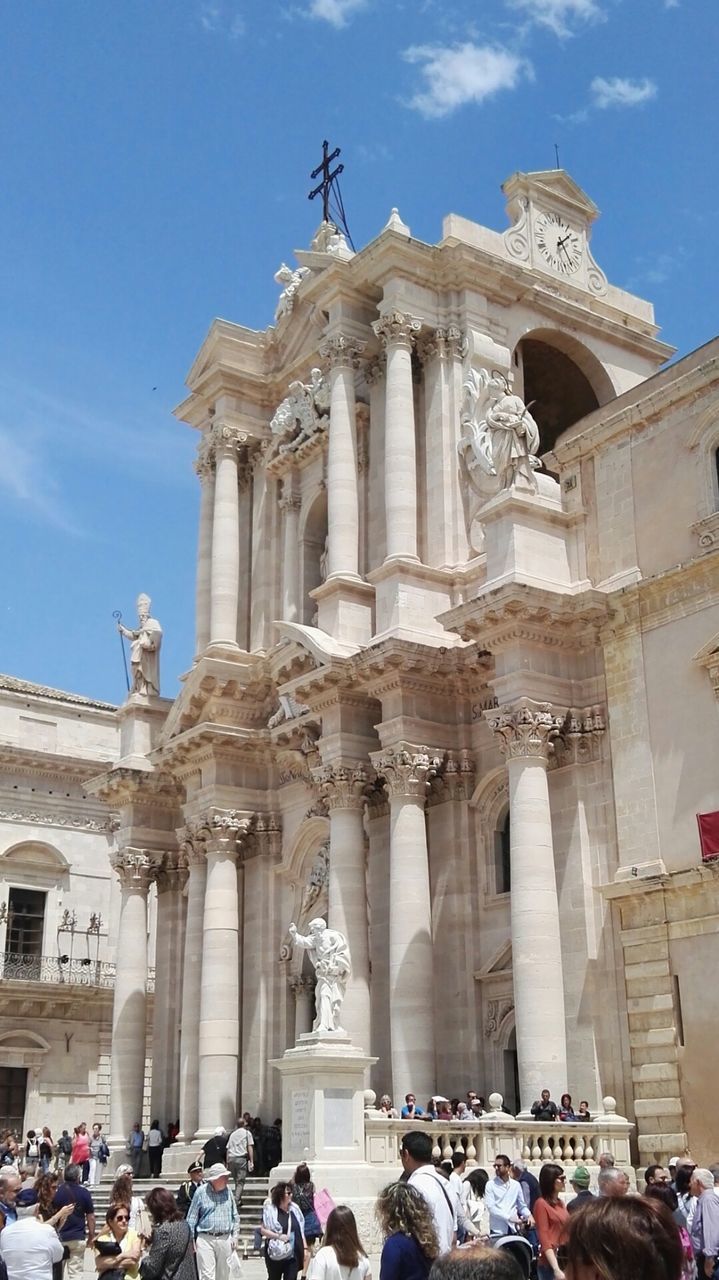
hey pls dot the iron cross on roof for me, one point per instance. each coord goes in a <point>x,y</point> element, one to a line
<point>324,187</point>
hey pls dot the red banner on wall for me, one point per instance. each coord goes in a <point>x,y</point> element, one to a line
<point>709,835</point>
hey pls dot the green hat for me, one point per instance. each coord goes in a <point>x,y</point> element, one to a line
<point>580,1178</point>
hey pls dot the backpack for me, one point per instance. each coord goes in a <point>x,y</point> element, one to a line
<point>32,1150</point>
<point>64,1146</point>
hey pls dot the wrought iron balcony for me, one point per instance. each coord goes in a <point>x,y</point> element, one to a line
<point>62,971</point>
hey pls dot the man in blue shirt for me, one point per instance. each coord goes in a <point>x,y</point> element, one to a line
<point>80,1225</point>
<point>410,1108</point>
<point>135,1143</point>
<point>214,1220</point>
<point>505,1201</point>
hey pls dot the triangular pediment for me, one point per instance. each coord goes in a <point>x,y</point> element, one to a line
<point>550,188</point>
<point>708,655</point>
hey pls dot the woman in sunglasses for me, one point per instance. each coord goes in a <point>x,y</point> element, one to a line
<point>551,1220</point>
<point>117,1248</point>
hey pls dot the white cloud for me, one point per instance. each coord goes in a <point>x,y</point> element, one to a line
<point>222,17</point>
<point>463,73</point>
<point>561,16</point>
<point>336,12</point>
<point>619,92</point>
<point>26,478</point>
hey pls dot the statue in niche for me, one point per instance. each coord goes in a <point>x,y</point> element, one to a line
<point>330,954</point>
<point>500,438</point>
<point>302,413</point>
<point>317,880</point>
<point>145,641</point>
<point>291,281</point>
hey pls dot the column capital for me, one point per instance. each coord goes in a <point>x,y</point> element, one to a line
<point>524,729</point>
<point>374,370</point>
<point>226,439</point>
<point>396,329</point>
<point>443,343</point>
<point>205,461</point>
<point>407,770</point>
<point>170,873</point>
<point>133,868</point>
<point>342,786</point>
<point>342,350</point>
<point>289,500</point>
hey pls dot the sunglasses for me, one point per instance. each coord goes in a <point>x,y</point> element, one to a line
<point>121,1217</point>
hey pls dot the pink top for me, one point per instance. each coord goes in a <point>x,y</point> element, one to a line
<point>80,1148</point>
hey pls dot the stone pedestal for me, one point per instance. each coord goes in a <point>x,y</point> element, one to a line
<point>141,720</point>
<point>323,1123</point>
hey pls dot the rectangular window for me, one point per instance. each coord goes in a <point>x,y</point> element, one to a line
<point>502,865</point>
<point>26,922</point>
<point>13,1088</point>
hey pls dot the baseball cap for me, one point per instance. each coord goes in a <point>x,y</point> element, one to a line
<point>580,1178</point>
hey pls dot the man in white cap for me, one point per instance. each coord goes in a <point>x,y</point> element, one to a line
<point>215,1149</point>
<point>214,1219</point>
<point>705,1224</point>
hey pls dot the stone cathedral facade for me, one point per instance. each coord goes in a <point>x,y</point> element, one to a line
<point>466,712</point>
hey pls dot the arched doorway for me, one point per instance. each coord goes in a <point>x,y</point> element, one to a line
<point>562,381</point>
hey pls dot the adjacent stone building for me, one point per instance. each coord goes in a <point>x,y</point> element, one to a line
<point>462,705</point>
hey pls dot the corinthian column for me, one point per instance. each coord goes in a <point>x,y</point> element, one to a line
<point>397,332</point>
<point>225,574</point>
<point>169,946</point>
<point>523,731</point>
<point>406,771</point>
<point>193,853</point>
<point>205,469</point>
<point>219,1032</point>
<point>290,504</point>
<point>343,787</point>
<point>127,1071</point>
<point>342,480</point>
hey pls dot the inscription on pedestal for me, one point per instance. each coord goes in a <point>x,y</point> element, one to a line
<point>300,1119</point>
<point>338,1117</point>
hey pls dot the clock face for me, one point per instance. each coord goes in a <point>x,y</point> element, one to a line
<point>560,247</point>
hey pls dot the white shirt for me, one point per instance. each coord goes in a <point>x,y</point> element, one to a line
<point>154,1138</point>
<point>324,1266</point>
<point>29,1248</point>
<point>442,1201</point>
<point>505,1201</point>
<point>239,1144</point>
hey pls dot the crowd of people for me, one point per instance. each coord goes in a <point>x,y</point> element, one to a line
<point>438,1220</point>
<point>454,1110</point>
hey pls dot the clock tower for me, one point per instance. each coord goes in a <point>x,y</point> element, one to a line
<point>551,226</point>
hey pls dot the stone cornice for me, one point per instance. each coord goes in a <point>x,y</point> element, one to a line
<point>44,812</point>
<point>405,664</point>
<point>121,787</point>
<point>654,602</point>
<point>503,615</point>
<point>30,762</point>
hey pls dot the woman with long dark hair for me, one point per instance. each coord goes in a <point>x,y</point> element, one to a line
<point>551,1219</point>
<point>172,1250</point>
<point>623,1238</point>
<point>303,1195</point>
<point>406,1222</point>
<point>342,1254</point>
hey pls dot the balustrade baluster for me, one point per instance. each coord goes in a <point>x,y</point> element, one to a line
<point>589,1151</point>
<point>579,1148</point>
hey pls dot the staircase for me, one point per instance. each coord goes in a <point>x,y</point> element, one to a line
<point>253,1198</point>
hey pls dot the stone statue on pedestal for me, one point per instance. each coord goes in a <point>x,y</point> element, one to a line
<point>499,435</point>
<point>145,642</point>
<point>330,954</point>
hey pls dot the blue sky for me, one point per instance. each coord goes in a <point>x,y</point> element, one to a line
<point>155,161</point>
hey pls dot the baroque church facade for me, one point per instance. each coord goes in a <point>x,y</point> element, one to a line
<point>454,689</point>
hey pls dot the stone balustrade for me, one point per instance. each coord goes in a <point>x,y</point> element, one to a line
<point>567,1143</point>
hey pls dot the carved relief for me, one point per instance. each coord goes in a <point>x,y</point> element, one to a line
<point>407,770</point>
<point>525,729</point>
<point>301,416</point>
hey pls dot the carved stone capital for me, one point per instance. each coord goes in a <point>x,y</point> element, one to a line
<point>133,868</point>
<point>170,873</point>
<point>266,835</point>
<point>407,770</point>
<point>374,370</point>
<point>456,779</point>
<point>301,988</point>
<point>579,739</point>
<point>395,329</point>
<point>432,344</point>
<point>341,786</point>
<point>525,728</point>
<point>226,439</point>
<point>342,351</point>
<point>205,460</point>
<point>290,501</point>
